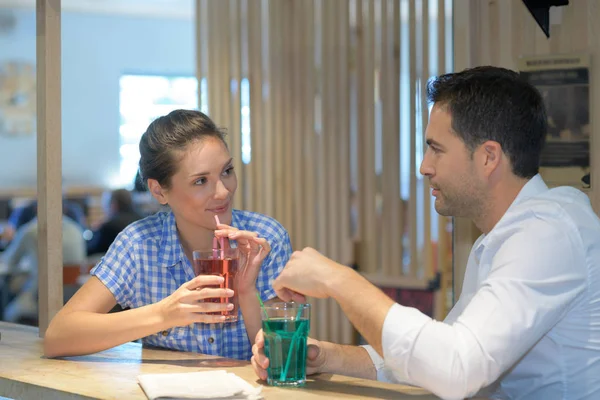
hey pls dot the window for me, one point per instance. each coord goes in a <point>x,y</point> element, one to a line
<point>144,98</point>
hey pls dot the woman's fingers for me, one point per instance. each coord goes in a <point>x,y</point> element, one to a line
<point>204,280</point>
<point>207,307</point>
<point>208,293</point>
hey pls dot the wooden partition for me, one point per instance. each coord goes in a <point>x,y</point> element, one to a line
<point>337,112</point>
<point>498,33</point>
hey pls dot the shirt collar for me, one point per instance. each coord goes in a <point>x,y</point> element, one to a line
<point>170,245</point>
<point>533,187</point>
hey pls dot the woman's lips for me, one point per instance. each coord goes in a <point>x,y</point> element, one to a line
<point>219,210</point>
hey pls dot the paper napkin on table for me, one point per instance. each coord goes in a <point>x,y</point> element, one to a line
<point>198,385</point>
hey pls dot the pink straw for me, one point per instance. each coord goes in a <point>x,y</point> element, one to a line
<point>221,240</point>
<point>215,248</point>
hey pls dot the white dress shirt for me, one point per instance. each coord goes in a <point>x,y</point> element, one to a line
<point>527,324</point>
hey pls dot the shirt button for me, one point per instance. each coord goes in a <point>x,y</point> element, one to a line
<point>211,340</point>
<point>165,333</point>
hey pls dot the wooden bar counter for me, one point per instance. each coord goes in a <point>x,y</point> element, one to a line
<point>112,374</point>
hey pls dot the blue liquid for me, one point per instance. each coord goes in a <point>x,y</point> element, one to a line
<point>280,335</point>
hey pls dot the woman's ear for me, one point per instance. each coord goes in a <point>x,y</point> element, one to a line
<point>157,191</point>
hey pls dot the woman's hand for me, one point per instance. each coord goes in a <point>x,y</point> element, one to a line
<point>186,305</point>
<point>253,250</point>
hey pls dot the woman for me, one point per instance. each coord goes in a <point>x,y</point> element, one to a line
<point>187,166</point>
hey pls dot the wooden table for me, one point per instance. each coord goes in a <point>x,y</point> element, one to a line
<point>112,374</point>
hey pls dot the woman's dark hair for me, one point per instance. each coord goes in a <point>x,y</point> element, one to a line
<point>171,133</point>
<point>491,103</point>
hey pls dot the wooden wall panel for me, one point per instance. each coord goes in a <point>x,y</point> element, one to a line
<point>323,72</point>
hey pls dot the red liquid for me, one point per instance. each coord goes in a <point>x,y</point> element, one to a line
<point>227,268</point>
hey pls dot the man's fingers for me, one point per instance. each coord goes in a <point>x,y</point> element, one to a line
<point>258,369</point>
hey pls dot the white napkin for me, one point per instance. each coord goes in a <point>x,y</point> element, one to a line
<point>198,385</point>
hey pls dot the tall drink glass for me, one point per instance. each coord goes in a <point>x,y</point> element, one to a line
<point>221,262</point>
<point>285,327</point>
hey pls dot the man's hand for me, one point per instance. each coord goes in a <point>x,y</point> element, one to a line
<point>307,273</point>
<point>315,357</point>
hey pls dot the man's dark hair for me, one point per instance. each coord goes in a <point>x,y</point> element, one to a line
<point>492,103</point>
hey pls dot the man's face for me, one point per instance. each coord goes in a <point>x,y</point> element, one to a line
<point>449,166</point>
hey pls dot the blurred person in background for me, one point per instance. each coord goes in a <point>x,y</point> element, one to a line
<point>120,213</point>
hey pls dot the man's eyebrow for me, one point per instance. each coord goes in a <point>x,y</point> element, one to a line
<point>433,142</point>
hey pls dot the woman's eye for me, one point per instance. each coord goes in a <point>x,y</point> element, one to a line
<point>200,181</point>
<point>228,171</point>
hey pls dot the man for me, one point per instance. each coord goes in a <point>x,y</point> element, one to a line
<point>527,324</point>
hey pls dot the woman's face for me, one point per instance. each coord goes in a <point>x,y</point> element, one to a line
<point>203,185</point>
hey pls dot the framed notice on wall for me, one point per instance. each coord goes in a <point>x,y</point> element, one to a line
<point>563,81</point>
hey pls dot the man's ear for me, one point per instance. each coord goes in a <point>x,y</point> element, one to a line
<point>157,191</point>
<point>490,156</point>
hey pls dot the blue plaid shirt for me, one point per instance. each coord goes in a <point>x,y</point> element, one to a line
<point>146,263</point>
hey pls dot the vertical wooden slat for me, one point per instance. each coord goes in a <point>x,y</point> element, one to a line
<point>308,135</point>
<point>365,55</point>
<point>285,134</point>
<point>321,160</point>
<point>200,44</point>
<point>445,268</point>
<point>276,87</point>
<point>299,125</point>
<point>484,31</point>
<point>412,210</point>
<point>493,31</point>
<point>428,262</point>
<point>343,113</point>
<point>249,173</point>
<point>328,135</point>
<point>308,144</point>
<point>213,64</point>
<point>49,181</point>
<point>397,214</point>
<point>268,38</point>
<point>255,79</point>
<point>389,150</point>
<point>233,82</point>
<point>504,11</point>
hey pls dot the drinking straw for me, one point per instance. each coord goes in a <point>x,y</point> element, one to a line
<point>285,369</point>
<point>215,248</point>
<point>262,306</point>
<point>221,240</point>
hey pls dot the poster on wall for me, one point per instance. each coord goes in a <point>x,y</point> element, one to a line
<point>563,81</point>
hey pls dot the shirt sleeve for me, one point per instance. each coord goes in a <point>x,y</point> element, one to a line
<point>536,276</point>
<point>281,251</point>
<point>118,271</point>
